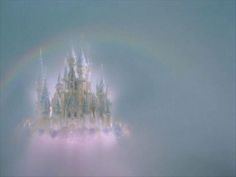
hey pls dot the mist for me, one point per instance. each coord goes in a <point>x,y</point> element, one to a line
<point>170,66</point>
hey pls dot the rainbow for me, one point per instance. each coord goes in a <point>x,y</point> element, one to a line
<point>25,60</point>
<point>127,39</point>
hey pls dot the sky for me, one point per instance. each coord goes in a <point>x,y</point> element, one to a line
<point>171,68</point>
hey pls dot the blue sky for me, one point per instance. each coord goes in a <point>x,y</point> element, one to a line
<point>171,64</point>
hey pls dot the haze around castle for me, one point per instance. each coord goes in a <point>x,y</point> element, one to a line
<point>74,109</point>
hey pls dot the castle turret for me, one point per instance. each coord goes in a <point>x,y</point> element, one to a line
<point>43,100</point>
<point>57,99</point>
<point>82,66</point>
<point>100,92</point>
<point>72,81</point>
<point>59,85</point>
<point>107,103</point>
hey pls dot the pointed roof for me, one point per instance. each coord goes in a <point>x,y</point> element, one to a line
<point>102,82</point>
<point>73,54</point>
<point>59,78</point>
<point>65,73</point>
<point>59,83</point>
<point>71,58</point>
<point>45,93</point>
<point>82,60</point>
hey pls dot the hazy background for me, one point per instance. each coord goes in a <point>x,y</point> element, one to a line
<point>171,67</point>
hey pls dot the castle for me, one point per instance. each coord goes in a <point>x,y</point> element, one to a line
<point>74,100</point>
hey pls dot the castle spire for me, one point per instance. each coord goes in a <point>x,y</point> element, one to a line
<point>73,54</point>
<point>65,73</point>
<point>83,60</point>
<point>102,78</point>
<point>44,100</point>
<point>59,85</point>
<point>59,78</point>
<point>100,87</point>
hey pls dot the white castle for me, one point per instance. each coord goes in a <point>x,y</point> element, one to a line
<point>73,100</point>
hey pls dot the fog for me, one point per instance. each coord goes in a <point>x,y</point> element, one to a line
<point>170,66</point>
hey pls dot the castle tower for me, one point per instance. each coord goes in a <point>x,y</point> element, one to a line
<point>71,74</point>
<point>100,93</point>
<point>57,99</point>
<point>73,99</point>
<point>82,66</point>
<point>107,104</point>
<point>103,101</point>
<point>43,101</point>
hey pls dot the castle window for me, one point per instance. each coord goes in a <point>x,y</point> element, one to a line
<point>68,114</point>
<point>75,114</point>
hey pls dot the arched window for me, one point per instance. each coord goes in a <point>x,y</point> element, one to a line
<point>68,114</point>
<point>75,114</point>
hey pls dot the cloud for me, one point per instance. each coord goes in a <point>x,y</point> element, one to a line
<point>88,156</point>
